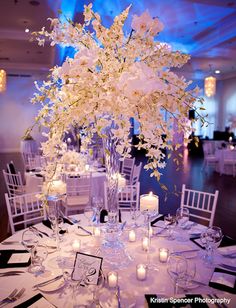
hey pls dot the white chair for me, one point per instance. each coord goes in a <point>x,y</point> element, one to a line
<point>32,161</point>
<point>228,162</point>
<point>78,193</point>
<point>128,196</point>
<point>24,210</point>
<point>128,167</point>
<point>136,174</point>
<point>14,183</point>
<point>201,205</point>
<point>210,160</point>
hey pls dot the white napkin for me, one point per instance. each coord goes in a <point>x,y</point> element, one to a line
<point>160,223</point>
<point>41,303</point>
<point>224,279</point>
<point>227,250</point>
<point>19,258</point>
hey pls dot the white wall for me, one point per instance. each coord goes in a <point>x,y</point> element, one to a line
<point>16,113</point>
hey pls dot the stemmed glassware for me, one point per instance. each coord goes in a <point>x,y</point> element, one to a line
<point>30,240</point>
<point>177,268</point>
<point>170,222</point>
<point>98,204</point>
<point>182,216</point>
<point>89,214</point>
<point>95,288</point>
<point>211,239</point>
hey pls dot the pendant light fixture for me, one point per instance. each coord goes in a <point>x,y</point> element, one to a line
<point>210,85</point>
<point>3,80</point>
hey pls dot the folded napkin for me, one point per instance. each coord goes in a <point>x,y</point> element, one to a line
<point>14,258</point>
<point>160,217</point>
<point>223,280</point>
<point>37,301</point>
<point>48,224</point>
<point>227,250</point>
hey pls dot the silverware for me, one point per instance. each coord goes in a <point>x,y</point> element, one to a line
<point>9,296</point>
<point>229,267</point>
<point>118,296</point>
<point>47,281</point>
<point>199,282</point>
<point>11,242</point>
<point>12,298</point>
<point>184,251</point>
<point>40,232</point>
<point>214,296</point>
<point>87,231</point>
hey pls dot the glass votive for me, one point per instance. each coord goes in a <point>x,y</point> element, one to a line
<point>145,243</point>
<point>141,271</point>
<point>132,236</point>
<point>163,254</point>
<point>112,278</point>
<point>76,244</point>
<point>87,167</point>
<point>96,231</point>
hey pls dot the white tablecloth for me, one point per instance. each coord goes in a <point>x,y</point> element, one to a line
<point>221,168</point>
<point>132,290</point>
<point>34,183</point>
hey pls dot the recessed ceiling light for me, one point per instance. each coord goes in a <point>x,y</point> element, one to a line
<point>26,30</point>
<point>217,71</point>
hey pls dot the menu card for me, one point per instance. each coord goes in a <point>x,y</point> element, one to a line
<point>223,280</point>
<point>14,258</point>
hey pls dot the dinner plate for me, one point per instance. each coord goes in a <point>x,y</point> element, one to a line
<point>109,299</point>
<point>53,286</point>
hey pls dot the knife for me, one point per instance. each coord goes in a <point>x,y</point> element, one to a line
<point>118,297</point>
<point>47,281</point>
<point>184,251</point>
<point>42,232</point>
<point>87,231</point>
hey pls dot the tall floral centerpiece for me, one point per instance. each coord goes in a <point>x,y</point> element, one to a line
<point>112,77</point>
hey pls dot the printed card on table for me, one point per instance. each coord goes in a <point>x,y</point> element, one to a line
<point>87,268</point>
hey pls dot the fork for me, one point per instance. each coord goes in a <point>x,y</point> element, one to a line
<point>13,293</point>
<point>14,298</point>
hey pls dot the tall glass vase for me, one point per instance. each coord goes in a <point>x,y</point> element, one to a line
<point>113,247</point>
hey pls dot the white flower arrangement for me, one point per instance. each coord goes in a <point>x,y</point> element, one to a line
<point>113,77</point>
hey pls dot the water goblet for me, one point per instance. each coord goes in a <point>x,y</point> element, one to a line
<point>211,239</point>
<point>95,289</point>
<point>176,268</point>
<point>182,216</point>
<point>89,214</point>
<point>170,222</point>
<point>39,255</point>
<point>30,240</point>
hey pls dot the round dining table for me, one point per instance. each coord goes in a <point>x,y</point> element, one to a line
<point>132,291</point>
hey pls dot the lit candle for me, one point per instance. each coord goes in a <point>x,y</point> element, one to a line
<point>163,254</point>
<point>132,236</point>
<point>141,272</point>
<point>86,167</point>
<point>230,139</point>
<point>76,245</point>
<point>149,202</point>
<point>112,279</point>
<point>96,231</point>
<point>145,243</point>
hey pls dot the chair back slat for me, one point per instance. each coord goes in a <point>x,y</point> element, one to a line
<point>24,209</point>
<point>128,167</point>
<point>200,203</point>
<point>13,183</point>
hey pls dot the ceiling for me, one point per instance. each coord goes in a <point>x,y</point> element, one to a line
<point>206,29</point>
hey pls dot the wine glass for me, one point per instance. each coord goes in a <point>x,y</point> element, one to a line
<point>170,222</point>
<point>190,274</point>
<point>89,214</point>
<point>182,216</point>
<point>211,239</point>
<point>95,289</point>
<point>39,255</point>
<point>135,214</point>
<point>176,268</point>
<point>30,240</point>
<point>97,202</point>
